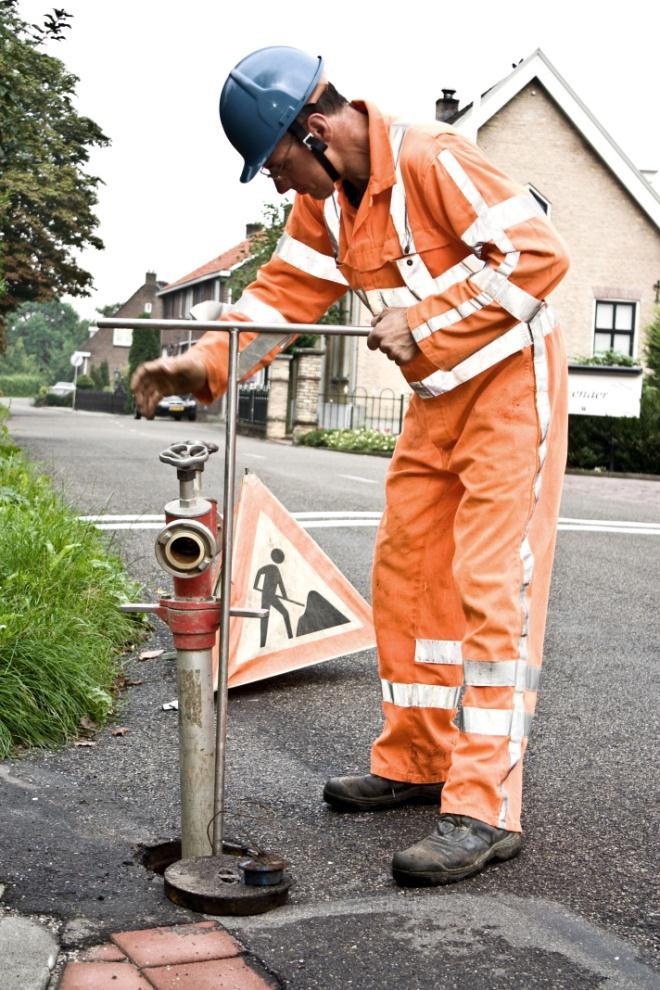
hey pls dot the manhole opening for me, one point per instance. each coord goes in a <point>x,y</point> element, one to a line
<point>158,857</point>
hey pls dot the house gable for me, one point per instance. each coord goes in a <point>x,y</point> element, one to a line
<point>537,66</point>
<point>613,244</point>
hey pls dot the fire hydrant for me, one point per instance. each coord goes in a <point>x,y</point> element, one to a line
<point>187,548</point>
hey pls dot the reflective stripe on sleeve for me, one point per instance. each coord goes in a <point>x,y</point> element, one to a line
<point>494,722</point>
<point>307,260</point>
<point>501,673</point>
<point>420,695</point>
<point>332,217</point>
<point>438,651</point>
<point>508,213</point>
<point>258,311</point>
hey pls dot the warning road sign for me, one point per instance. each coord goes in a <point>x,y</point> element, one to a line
<point>313,613</point>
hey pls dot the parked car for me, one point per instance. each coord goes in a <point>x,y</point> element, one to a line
<point>177,406</point>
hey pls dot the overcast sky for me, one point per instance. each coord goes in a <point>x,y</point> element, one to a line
<point>151,72</point>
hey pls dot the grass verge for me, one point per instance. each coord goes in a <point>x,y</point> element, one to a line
<point>61,633</point>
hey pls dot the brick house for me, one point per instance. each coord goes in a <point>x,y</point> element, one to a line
<point>208,282</point>
<point>534,126</point>
<point>113,345</point>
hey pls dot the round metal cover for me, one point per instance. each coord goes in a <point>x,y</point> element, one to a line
<point>214,885</point>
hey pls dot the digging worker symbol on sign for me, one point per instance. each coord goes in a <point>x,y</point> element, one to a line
<point>318,614</point>
<point>271,583</point>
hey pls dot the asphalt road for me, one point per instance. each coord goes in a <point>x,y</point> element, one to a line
<point>574,911</point>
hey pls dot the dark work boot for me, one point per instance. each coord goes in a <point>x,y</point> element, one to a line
<point>369,792</point>
<point>458,847</point>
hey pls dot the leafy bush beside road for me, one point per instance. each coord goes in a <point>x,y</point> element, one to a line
<point>360,440</point>
<point>20,384</point>
<point>61,634</point>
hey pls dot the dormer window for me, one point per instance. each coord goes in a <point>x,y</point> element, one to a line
<point>540,199</point>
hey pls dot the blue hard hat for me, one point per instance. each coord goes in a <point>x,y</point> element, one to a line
<point>262,96</point>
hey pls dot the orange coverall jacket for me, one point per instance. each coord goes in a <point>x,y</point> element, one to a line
<point>464,551</point>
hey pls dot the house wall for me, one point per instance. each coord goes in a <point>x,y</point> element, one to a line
<point>614,247</point>
<point>101,346</point>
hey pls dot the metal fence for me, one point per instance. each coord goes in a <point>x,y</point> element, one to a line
<point>253,407</point>
<point>107,402</point>
<point>383,412</point>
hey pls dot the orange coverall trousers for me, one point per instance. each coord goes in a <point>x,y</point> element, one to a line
<point>461,581</point>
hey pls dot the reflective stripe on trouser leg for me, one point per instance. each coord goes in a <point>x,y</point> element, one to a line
<point>417,613</point>
<point>512,437</point>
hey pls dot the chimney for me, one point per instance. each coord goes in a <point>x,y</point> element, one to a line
<point>446,108</point>
<point>253,228</point>
<point>150,277</point>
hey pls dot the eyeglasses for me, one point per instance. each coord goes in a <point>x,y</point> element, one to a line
<point>278,171</point>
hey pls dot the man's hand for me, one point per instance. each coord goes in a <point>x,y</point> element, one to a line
<point>391,335</point>
<point>166,376</point>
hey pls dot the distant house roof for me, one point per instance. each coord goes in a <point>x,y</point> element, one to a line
<point>538,66</point>
<point>226,262</point>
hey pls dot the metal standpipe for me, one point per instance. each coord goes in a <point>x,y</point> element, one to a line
<point>220,883</point>
<point>186,548</point>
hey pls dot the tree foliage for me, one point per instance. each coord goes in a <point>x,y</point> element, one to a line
<point>47,199</point>
<point>145,346</point>
<point>262,245</point>
<point>652,350</point>
<point>41,337</point>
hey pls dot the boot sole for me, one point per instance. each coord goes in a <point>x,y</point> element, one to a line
<point>344,803</point>
<point>506,849</point>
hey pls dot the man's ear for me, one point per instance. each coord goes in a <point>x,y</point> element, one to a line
<point>320,126</point>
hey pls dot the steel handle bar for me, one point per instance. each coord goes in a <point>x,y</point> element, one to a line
<point>224,326</point>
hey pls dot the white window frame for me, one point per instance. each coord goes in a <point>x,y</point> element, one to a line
<point>627,302</point>
<point>122,337</point>
<point>148,307</point>
<point>540,198</point>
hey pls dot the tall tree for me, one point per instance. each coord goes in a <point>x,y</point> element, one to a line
<point>47,334</point>
<point>47,199</point>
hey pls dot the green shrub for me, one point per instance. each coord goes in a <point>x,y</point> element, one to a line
<point>363,440</point>
<point>612,443</point>
<point>61,633</point>
<point>57,400</point>
<point>19,384</point>
<point>85,381</point>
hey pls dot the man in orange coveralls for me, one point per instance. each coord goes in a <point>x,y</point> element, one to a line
<point>454,260</point>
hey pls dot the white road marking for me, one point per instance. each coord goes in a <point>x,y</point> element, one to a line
<point>356,477</point>
<point>351,519</point>
<point>257,457</point>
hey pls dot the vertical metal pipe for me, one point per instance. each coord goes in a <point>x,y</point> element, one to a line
<point>196,748</point>
<point>227,549</point>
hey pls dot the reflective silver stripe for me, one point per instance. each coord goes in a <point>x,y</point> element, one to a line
<point>439,382</point>
<point>469,265</point>
<point>508,213</point>
<point>379,299</point>
<point>420,695</point>
<point>515,339</point>
<point>332,216</point>
<point>495,722</point>
<point>256,351</point>
<point>510,297</point>
<point>539,328</point>
<point>258,311</point>
<point>307,260</point>
<point>462,312</point>
<point>501,673</point>
<point>438,651</point>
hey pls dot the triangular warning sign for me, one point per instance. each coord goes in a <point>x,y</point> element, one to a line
<point>313,613</point>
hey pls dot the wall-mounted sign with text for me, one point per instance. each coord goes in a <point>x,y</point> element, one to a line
<point>602,390</point>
